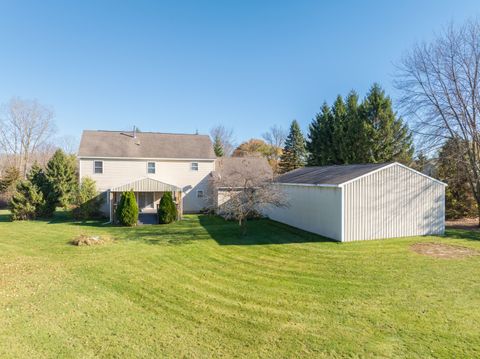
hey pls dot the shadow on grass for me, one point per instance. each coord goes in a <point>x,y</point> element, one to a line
<point>462,234</point>
<point>258,232</point>
<point>5,217</point>
<point>194,228</point>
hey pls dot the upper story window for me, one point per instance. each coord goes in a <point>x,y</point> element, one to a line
<point>194,166</point>
<point>151,167</point>
<point>200,194</point>
<point>98,167</point>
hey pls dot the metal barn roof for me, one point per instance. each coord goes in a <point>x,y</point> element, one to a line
<point>336,175</point>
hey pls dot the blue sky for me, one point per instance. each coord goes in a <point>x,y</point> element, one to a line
<point>182,66</point>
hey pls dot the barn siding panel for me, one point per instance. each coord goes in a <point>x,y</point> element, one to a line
<point>311,208</point>
<point>393,202</point>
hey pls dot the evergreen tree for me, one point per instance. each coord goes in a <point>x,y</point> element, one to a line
<point>452,169</point>
<point>351,133</point>
<point>420,163</point>
<point>294,153</point>
<point>26,201</point>
<point>320,137</point>
<point>167,211</point>
<point>38,178</point>
<point>61,173</point>
<point>389,138</point>
<point>9,179</point>
<point>339,148</point>
<point>355,141</point>
<point>127,209</point>
<point>217,147</point>
<point>87,201</point>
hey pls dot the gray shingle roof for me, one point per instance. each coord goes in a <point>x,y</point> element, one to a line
<point>145,145</point>
<point>328,175</point>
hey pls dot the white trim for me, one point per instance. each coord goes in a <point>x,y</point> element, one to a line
<point>308,185</point>
<point>147,158</point>
<point>422,174</point>
<point>342,204</point>
<point>388,166</point>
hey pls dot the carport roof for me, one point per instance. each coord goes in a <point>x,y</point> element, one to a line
<point>146,185</point>
<point>329,175</point>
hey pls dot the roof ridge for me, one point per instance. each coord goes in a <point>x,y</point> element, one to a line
<point>150,132</point>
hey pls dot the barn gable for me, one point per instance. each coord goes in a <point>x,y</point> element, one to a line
<point>395,201</point>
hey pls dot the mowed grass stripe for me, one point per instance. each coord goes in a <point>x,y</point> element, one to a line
<point>198,288</point>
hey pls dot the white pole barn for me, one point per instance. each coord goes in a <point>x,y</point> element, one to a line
<point>360,202</point>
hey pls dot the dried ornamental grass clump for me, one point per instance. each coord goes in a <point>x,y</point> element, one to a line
<point>86,240</point>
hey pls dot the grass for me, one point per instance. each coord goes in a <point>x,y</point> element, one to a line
<point>199,289</point>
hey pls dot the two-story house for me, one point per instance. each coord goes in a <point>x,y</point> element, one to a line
<point>150,164</point>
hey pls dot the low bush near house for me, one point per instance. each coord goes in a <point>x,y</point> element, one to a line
<point>167,210</point>
<point>127,210</point>
<point>87,201</point>
<point>26,201</point>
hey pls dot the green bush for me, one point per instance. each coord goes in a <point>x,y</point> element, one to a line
<point>87,201</point>
<point>62,175</point>
<point>27,201</point>
<point>167,211</point>
<point>127,209</point>
<point>39,179</point>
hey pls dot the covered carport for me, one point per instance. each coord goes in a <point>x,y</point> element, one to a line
<point>148,193</point>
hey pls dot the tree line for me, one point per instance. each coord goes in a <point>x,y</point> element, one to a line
<point>348,131</point>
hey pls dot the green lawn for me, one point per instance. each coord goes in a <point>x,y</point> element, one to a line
<point>199,289</point>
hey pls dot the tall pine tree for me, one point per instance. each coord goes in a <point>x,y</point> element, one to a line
<point>217,147</point>
<point>389,138</point>
<point>39,179</point>
<point>350,133</point>
<point>61,173</point>
<point>294,152</point>
<point>320,138</point>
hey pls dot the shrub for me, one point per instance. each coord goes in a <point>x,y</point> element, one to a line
<point>8,182</point>
<point>87,201</point>
<point>167,211</point>
<point>61,172</point>
<point>26,202</point>
<point>38,178</point>
<point>127,209</point>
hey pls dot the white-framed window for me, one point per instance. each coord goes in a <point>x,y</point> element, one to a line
<point>151,167</point>
<point>194,166</point>
<point>98,167</point>
<point>200,193</point>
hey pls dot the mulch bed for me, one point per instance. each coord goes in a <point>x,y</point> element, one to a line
<point>440,250</point>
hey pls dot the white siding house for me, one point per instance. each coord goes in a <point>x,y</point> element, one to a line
<point>360,202</point>
<point>149,164</point>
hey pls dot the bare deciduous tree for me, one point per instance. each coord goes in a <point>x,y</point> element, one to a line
<point>25,127</point>
<point>275,138</point>
<point>440,83</point>
<point>226,138</point>
<point>69,144</point>
<point>242,187</point>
